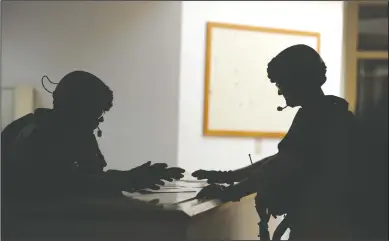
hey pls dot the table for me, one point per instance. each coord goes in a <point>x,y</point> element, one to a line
<point>170,214</point>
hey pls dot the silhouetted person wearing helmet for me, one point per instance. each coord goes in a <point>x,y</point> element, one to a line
<point>53,154</point>
<point>308,178</point>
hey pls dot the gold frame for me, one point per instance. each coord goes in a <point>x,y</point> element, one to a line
<point>351,51</point>
<point>208,49</point>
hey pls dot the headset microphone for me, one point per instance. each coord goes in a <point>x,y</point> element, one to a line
<point>99,132</point>
<point>279,108</point>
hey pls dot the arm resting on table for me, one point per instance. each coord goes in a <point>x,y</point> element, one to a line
<point>244,172</point>
<point>267,175</point>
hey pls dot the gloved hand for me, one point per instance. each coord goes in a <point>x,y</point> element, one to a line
<point>149,176</point>
<point>223,193</point>
<point>228,177</point>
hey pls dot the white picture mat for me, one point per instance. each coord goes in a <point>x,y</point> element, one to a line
<point>241,97</point>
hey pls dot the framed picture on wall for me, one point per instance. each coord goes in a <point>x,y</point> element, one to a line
<point>239,98</point>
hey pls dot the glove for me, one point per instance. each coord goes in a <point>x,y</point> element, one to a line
<point>213,177</point>
<point>220,192</point>
<point>149,176</point>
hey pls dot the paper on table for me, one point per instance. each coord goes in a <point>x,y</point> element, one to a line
<point>174,190</point>
<point>163,198</point>
<point>178,184</point>
<point>187,181</point>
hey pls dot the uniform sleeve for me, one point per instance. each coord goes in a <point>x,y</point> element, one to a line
<point>76,168</point>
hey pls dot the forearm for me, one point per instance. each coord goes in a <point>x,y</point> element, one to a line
<point>101,183</point>
<point>264,177</point>
<point>244,188</point>
<point>244,172</point>
<point>120,178</point>
<point>249,184</point>
<point>113,175</point>
<point>279,171</point>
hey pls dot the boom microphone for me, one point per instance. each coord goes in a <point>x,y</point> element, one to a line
<point>99,132</point>
<point>279,108</point>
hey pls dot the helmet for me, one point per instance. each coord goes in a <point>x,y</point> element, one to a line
<point>82,90</point>
<point>298,63</point>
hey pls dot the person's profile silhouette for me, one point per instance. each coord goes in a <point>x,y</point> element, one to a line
<point>53,153</point>
<point>306,179</point>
